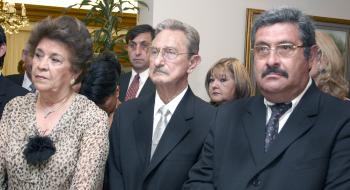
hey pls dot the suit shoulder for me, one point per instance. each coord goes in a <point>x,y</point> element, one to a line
<point>203,105</point>
<point>334,105</point>
<point>12,89</point>
<point>132,104</point>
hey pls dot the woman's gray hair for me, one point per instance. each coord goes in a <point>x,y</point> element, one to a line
<point>191,33</point>
<point>288,15</point>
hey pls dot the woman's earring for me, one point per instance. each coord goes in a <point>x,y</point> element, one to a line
<point>72,82</point>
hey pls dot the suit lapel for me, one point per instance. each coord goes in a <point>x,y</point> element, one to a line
<point>299,122</point>
<point>124,83</point>
<point>147,88</point>
<point>254,121</point>
<point>176,130</point>
<point>143,127</point>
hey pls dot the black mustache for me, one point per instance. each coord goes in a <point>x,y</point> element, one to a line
<point>274,69</point>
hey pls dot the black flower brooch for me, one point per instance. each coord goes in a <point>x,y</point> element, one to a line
<point>39,149</point>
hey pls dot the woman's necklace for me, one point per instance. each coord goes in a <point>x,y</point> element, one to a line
<point>49,112</point>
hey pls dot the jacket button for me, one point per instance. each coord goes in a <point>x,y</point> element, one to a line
<point>256,182</point>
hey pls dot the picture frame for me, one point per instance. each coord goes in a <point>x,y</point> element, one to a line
<point>337,28</point>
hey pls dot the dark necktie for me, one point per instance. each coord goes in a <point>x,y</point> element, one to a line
<point>133,88</point>
<point>272,126</point>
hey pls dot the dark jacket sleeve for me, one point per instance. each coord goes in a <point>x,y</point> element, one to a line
<point>113,176</point>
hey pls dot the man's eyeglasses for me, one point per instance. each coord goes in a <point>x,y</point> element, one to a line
<point>282,50</point>
<point>166,53</point>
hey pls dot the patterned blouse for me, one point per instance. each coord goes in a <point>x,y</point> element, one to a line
<point>80,138</point>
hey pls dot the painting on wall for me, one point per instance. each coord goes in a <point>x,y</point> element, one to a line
<point>338,29</point>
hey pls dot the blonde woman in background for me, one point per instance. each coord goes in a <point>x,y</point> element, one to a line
<point>328,69</point>
<point>227,80</point>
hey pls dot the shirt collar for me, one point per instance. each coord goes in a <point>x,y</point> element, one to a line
<point>171,106</point>
<point>296,100</point>
<point>143,75</point>
<point>26,81</point>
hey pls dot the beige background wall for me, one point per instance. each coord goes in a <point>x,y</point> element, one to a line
<point>221,24</point>
<point>15,44</point>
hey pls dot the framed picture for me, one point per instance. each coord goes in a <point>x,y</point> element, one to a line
<point>339,29</point>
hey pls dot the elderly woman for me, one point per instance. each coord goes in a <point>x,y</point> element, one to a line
<point>100,84</point>
<point>55,138</point>
<point>227,80</point>
<point>328,69</point>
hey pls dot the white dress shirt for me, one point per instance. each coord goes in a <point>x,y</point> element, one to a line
<point>283,119</point>
<point>171,106</point>
<point>26,82</point>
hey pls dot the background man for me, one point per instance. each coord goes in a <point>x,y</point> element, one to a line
<point>8,89</point>
<point>157,138</point>
<point>24,80</point>
<point>136,83</point>
<point>292,137</point>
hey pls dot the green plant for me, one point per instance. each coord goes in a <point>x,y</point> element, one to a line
<point>106,15</point>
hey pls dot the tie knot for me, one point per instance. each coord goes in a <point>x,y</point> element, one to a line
<point>137,77</point>
<point>163,111</point>
<point>280,108</point>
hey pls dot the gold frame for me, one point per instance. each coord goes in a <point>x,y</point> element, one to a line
<point>36,13</point>
<point>319,22</point>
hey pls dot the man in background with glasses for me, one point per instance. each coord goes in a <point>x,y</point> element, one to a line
<point>156,139</point>
<point>136,82</point>
<point>24,79</point>
<point>293,136</point>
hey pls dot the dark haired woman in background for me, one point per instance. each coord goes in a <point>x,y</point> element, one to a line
<point>55,138</point>
<point>101,83</point>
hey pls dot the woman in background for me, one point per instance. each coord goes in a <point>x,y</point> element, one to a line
<point>56,138</point>
<point>328,69</point>
<point>100,84</point>
<point>227,80</point>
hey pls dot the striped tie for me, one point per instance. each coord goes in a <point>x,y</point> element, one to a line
<point>133,88</point>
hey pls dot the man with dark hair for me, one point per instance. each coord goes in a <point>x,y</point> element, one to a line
<point>155,139</point>
<point>293,136</point>
<point>136,83</point>
<point>8,89</point>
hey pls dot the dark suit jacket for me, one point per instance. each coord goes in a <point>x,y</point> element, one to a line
<point>9,90</point>
<point>148,88</point>
<point>129,166</point>
<point>16,78</point>
<point>312,152</point>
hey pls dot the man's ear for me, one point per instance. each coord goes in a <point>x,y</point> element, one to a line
<point>2,50</point>
<point>313,55</point>
<point>194,61</point>
<point>117,90</point>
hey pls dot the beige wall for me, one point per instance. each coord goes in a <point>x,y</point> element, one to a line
<point>221,24</point>
<point>15,45</point>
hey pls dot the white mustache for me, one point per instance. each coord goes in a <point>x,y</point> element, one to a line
<point>159,70</point>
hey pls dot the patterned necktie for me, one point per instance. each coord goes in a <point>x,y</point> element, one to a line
<point>162,123</point>
<point>272,126</point>
<point>133,88</point>
<point>32,88</point>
